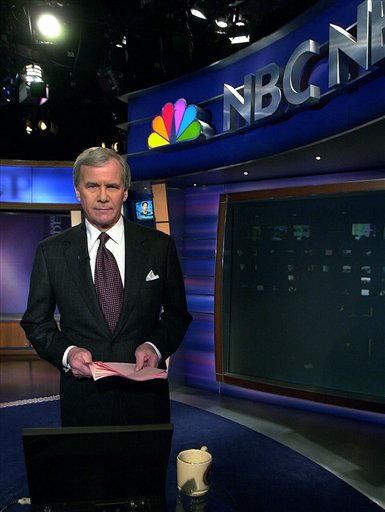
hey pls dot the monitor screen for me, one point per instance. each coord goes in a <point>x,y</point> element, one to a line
<point>83,468</point>
<point>144,210</point>
<point>300,290</point>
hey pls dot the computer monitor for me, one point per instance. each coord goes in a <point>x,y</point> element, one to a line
<point>97,468</point>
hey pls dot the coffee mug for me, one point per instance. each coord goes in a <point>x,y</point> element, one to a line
<point>194,471</point>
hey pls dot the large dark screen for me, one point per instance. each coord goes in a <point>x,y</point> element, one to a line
<point>303,292</point>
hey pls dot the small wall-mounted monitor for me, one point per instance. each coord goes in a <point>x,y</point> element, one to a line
<point>144,210</point>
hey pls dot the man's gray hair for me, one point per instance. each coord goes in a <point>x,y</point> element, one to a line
<point>97,157</point>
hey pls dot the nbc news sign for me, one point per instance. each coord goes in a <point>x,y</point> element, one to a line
<point>271,90</point>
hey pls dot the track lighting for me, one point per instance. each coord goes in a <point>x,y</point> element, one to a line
<point>198,10</point>
<point>238,32</point>
<point>221,22</point>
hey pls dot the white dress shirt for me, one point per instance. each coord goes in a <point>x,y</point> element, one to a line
<point>116,245</point>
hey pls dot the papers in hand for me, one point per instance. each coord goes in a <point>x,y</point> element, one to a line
<point>126,370</point>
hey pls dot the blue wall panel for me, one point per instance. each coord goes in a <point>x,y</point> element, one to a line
<point>16,184</point>
<point>201,303</point>
<point>199,285</point>
<point>198,267</point>
<point>199,248</point>
<point>32,184</point>
<point>199,364</point>
<point>50,184</point>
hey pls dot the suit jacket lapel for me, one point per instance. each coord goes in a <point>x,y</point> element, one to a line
<point>78,262</point>
<point>136,256</point>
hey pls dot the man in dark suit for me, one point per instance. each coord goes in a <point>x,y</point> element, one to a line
<point>153,317</point>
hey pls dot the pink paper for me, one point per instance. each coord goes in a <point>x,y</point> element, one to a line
<point>100,369</point>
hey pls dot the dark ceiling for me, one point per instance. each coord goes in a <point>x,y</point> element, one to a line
<point>87,72</point>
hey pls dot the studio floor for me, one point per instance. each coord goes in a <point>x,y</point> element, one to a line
<point>352,450</point>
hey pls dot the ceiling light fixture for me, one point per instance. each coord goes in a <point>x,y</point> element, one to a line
<point>28,126</point>
<point>197,10</point>
<point>42,125</point>
<point>240,39</point>
<point>32,88</point>
<point>221,22</point>
<point>238,31</point>
<point>49,27</point>
<point>33,73</point>
<point>47,126</point>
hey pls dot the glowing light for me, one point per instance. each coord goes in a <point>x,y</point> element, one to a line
<point>221,22</point>
<point>28,126</point>
<point>198,13</point>
<point>239,39</point>
<point>42,125</point>
<point>49,26</point>
<point>33,73</point>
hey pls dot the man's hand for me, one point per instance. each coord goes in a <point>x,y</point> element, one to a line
<point>79,359</point>
<point>145,356</point>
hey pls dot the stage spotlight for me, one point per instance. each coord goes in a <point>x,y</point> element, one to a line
<point>32,88</point>
<point>198,10</point>
<point>117,145</point>
<point>42,125</point>
<point>239,33</point>
<point>33,73</point>
<point>28,126</point>
<point>221,22</point>
<point>240,39</point>
<point>48,27</point>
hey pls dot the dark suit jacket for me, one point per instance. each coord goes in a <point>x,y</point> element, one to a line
<point>152,311</point>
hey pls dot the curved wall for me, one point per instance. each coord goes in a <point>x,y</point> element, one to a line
<point>280,126</point>
<point>339,110</point>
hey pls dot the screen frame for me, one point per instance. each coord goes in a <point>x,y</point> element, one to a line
<point>264,385</point>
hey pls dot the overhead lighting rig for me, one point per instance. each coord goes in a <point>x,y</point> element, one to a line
<point>32,87</point>
<point>46,22</point>
<point>228,21</point>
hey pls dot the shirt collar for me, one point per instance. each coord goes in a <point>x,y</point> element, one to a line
<point>116,233</point>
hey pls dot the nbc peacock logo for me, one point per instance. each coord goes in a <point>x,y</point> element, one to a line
<point>179,123</point>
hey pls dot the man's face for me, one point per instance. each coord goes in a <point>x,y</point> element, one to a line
<point>101,193</point>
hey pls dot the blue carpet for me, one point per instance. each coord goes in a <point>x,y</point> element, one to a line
<point>250,472</point>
